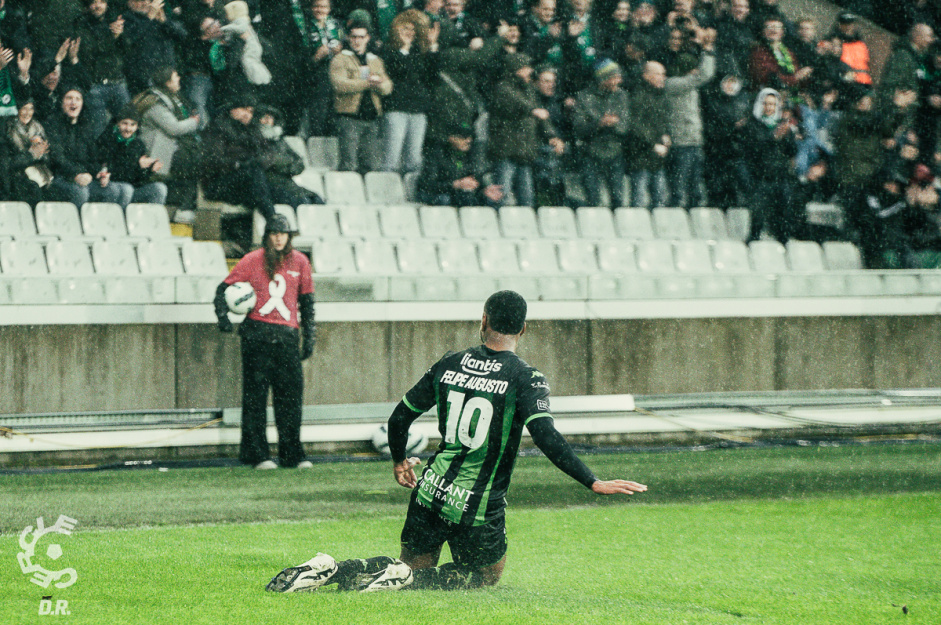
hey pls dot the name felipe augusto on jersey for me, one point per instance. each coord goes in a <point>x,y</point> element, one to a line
<point>472,380</point>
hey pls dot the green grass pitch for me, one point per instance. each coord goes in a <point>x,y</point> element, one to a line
<point>791,535</point>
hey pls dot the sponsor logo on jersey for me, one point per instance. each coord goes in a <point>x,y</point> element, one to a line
<point>479,367</point>
<point>440,489</point>
<point>544,385</point>
<point>474,383</point>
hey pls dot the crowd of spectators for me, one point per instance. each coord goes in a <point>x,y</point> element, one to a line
<point>692,102</point>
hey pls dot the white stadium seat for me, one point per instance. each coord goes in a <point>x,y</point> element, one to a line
<point>23,258</point>
<point>578,256</point>
<point>634,223</point>
<point>458,257</point>
<point>709,224</point>
<point>344,187</point>
<point>557,222</point>
<point>358,221</point>
<point>738,221</point>
<point>114,258</point>
<point>498,257</point>
<point>518,222</point>
<point>538,256</point>
<point>655,256</point>
<point>204,258</point>
<point>159,258</point>
<point>317,221</point>
<point>768,257</point>
<point>16,221</point>
<point>333,256</point>
<point>671,223</point>
<point>692,257</point>
<point>806,256</point>
<point>842,256</point>
<point>60,219</point>
<point>595,222</point>
<point>105,220</point>
<point>69,258</point>
<point>384,187</point>
<point>616,256</point>
<point>375,257</point>
<point>399,221</point>
<point>439,222</point>
<point>479,222</point>
<point>417,256</point>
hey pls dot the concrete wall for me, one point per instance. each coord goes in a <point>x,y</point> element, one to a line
<point>128,367</point>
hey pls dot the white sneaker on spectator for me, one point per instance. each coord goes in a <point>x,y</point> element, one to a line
<point>186,217</point>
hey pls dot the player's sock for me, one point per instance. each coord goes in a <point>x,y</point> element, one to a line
<point>450,576</point>
<point>349,570</point>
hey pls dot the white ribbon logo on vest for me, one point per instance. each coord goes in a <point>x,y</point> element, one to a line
<point>276,290</point>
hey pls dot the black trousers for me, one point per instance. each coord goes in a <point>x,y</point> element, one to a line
<point>271,358</point>
<point>246,185</point>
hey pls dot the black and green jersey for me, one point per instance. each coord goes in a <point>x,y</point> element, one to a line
<point>483,398</point>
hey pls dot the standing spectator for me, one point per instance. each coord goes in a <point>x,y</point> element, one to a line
<point>929,111</point>
<point>855,52</point>
<point>150,36</point>
<point>169,129</point>
<point>548,174</point>
<point>685,164</point>
<point>285,23</point>
<point>277,335</point>
<point>725,172</point>
<point>359,81</point>
<point>518,125</point>
<point>580,40</point>
<point>902,68</point>
<point>464,28</point>
<point>649,140</point>
<point>735,36</point>
<point>859,144</point>
<point>27,151</point>
<point>602,121</point>
<point>410,58</point>
<point>326,40</point>
<point>764,10</point>
<point>52,74</point>
<point>13,31</point>
<point>541,34</point>
<point>233,158</point>
<point>121,151</point>
<point>79,177</point>
<point>772,64</point>
<point>650,34</point>
<point>14,79</point>
<point>48,22</point>
<point>805,44</point>
<point>769,141</point>
<point>616,31</point>
<point>203,22</point>
<point>103,58</point>
<point>242,69</point>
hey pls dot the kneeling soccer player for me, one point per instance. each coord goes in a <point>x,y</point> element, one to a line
<point>484,396</point>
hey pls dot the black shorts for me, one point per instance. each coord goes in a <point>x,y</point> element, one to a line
<point>474,546</point>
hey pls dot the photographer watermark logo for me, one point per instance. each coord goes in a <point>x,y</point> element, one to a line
<point>41,567</point>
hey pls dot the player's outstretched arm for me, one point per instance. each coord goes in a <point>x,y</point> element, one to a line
<point>615,487</point>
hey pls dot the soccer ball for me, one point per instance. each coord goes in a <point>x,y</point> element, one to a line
<point>417,442</point>
<point>240,298</point>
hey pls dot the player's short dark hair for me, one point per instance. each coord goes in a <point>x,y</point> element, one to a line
<point>506,312</point>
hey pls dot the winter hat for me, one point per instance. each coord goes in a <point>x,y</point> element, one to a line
<point>241,100</point>
<point>359,18</point>
<point>162,76</point>
<point>278,223</point>
<point>605,69</point>
<point>128,112</point>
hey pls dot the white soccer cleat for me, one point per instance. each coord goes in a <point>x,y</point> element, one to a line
<point>396,576</point>
<point>266,465</point>
<point>306,577</point>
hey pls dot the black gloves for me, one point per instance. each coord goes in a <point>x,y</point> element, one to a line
<point>224,324</point>
<point>222,310</point>
<point>307,349</point>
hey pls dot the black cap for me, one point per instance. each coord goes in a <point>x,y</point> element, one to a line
<point>278,223</point>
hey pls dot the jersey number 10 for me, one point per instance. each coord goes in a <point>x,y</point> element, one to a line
<point>461,417</point>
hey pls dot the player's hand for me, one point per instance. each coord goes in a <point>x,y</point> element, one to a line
<point>307,350</point>
<point>405,472</point>
<point>225,324</point>
<point>614,487</point>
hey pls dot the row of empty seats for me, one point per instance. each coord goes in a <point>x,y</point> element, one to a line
<point>94,221</point>
<point>403,221</point>
<point>109,271</point>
